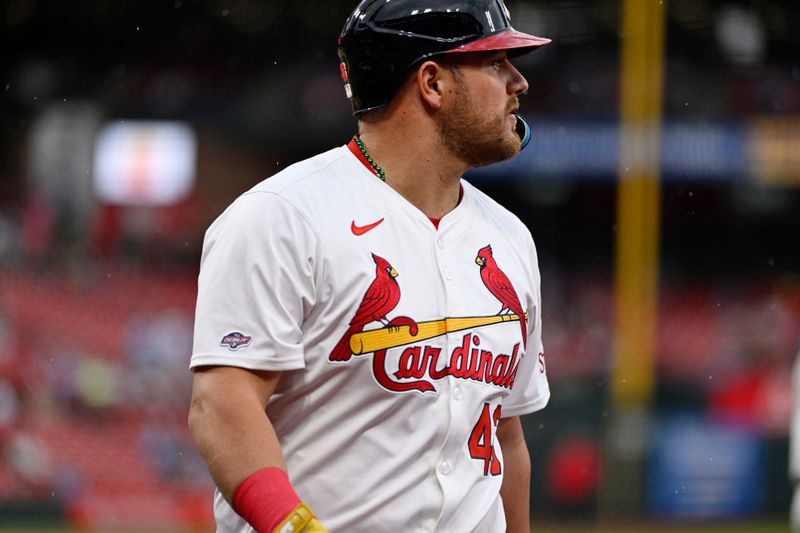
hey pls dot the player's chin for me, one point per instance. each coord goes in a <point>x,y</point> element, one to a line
<point>512,128</point>
<point>511,141</point>
<point>511,147</point>
<point>503,148</point>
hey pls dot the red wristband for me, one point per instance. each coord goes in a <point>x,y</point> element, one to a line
<point>265,499</point>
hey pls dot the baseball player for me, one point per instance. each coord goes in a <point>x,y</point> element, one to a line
<point>368,324</point>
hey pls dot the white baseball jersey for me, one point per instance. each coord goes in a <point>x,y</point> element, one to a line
<point>401,345</point>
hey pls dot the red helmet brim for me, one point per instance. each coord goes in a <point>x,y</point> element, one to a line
<point>509,39</point>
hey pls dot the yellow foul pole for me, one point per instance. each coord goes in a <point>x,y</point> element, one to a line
<point>638,200</point>
<point>638,203</point>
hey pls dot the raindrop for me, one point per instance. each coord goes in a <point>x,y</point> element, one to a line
<point>691,194</point>
<point>226,12</point>
<point>771,261</point>
<point>178,4</point>
<point>796,73</point>
<point>8,86</point>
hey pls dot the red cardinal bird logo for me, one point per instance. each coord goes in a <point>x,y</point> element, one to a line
<point>500,287</point>
<point>382,296</point>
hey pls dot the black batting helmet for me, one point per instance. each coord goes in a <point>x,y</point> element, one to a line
<point>383,39</point>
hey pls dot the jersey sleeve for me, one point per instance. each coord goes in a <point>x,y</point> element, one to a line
<point>256,285</point>
<point>531,390</point>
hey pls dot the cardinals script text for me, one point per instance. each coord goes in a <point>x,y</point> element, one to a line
<point>467,361</point>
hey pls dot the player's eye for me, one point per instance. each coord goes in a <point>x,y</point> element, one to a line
<point>498,59</point>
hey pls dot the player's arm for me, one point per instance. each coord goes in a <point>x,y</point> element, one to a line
<point>515,490</point>
<point>229,424</point>
<point>228,421</point>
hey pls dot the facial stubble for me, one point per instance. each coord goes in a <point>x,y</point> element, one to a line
<point>473,135</point>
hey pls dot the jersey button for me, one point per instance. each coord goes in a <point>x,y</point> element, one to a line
<point>440,242</point>
<point>457,394</point>
<point>445,468</point>
<point>448,274</point>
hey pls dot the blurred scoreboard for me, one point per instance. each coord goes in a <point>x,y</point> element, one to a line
<point>763,150</point>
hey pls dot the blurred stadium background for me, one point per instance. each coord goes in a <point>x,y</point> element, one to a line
<point>127,126</point>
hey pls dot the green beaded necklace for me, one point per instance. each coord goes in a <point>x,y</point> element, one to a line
<point>378,170</point>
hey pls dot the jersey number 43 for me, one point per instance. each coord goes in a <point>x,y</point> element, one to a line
<point>481,444</point>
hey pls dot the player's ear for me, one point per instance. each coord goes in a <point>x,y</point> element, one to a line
<point>432,83</point>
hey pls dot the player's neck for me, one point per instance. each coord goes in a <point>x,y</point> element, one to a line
<point>416,167</point>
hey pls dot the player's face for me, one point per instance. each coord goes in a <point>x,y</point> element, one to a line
<point>477,124</point>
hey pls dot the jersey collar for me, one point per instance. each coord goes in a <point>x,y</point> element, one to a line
<point>353,147</point>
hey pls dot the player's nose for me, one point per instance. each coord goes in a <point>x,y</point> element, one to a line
<point>517,84</point>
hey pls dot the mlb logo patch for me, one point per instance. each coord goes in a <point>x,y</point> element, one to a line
<point>235,340</point>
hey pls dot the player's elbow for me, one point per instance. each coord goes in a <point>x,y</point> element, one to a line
<point>196,416</point>
<point>199,413</point>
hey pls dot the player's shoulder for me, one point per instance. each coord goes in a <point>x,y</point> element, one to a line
<point>303,177</point>
<point>493,213</point>
<point>286,195</point>
<point>303,185</point>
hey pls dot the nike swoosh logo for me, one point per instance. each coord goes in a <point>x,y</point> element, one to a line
<point>361,230</point>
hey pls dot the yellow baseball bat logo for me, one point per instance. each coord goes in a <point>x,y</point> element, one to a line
<point>393,336</point>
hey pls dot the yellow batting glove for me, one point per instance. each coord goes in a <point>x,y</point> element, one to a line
<point>301,520</point>
<point>315,526</point>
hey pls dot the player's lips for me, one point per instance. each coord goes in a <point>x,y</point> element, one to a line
<point>513,117</point>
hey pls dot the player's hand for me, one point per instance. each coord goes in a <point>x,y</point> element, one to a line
<point>301,520</point>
